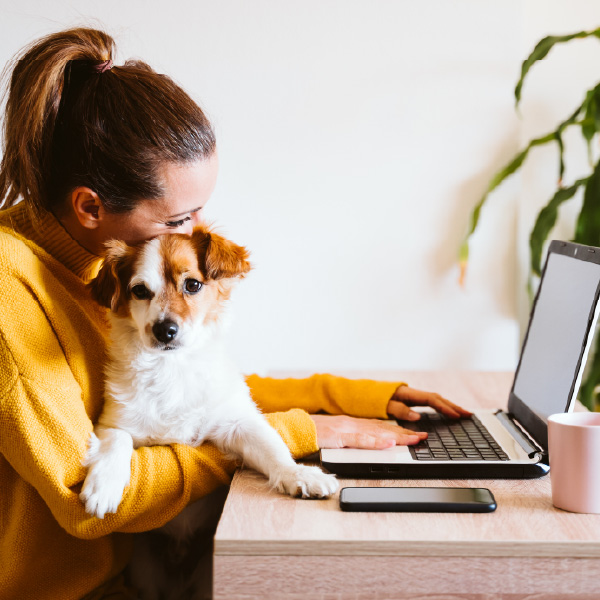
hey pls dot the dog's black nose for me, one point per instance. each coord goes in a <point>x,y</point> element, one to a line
<point>165,331</point>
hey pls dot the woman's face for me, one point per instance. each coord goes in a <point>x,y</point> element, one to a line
<point>187,190</point>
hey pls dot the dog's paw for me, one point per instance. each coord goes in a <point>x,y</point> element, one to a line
<point>108,476</point>
<point>93,450</point>
<point>306,482</point>
<point>102,491</point>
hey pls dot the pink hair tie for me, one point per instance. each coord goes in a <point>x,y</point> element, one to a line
<point>103,66</point>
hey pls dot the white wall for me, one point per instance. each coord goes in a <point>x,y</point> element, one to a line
<point>354,138</point>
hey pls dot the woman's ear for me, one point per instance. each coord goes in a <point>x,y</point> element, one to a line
<point>106,288</point>
<point>86,206</point>
<point>218,257</point>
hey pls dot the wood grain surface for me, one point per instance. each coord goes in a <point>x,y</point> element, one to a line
<point>268,545</point>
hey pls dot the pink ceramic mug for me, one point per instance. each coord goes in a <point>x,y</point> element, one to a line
<point>574,447</point>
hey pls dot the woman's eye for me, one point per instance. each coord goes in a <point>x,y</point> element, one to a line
<point>141,292</point>
<point>178,223</point>
<point>192,286</point>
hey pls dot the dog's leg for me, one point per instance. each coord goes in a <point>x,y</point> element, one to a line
<point>109,469</point>
<point>262,448</point>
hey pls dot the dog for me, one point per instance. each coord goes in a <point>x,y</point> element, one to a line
<point>168,378</point>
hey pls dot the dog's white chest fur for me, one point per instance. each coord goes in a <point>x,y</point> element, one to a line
<point>164,402</point>
<point>170,397</point>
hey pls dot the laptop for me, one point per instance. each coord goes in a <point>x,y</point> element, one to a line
<point>511,443</point>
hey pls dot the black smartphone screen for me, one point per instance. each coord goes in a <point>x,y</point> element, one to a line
<point>417,499</point>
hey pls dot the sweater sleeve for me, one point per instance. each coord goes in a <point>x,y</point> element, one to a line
<point>324,393</point>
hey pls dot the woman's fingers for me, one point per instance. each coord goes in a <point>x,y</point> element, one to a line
<point>364,441</point>
<point>402,412</point>
<point>368,441</point>
<point>406,395</point>
<point>442,406</point>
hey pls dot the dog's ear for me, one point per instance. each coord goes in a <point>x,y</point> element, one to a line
<point>218,257</point>
<point>106,288</point>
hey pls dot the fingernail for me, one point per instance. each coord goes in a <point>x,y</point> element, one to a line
<point>413,416</point>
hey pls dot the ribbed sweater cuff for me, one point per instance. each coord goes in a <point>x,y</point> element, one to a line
<point>380,393</point>
<point>297,430</point>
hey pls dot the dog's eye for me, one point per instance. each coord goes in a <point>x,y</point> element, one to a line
<point>192,286</point>
<point>140,291</point>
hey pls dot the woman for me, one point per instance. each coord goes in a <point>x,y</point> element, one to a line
<point>96,151</point>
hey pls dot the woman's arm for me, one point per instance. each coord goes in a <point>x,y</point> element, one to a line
<point>44,430</point>
<point>43,435</point>
<point>359,397</point>
<point>355,397</point>
<point>324,393</point>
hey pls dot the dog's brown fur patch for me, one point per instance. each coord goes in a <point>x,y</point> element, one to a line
<point>179,262</point>
<point>218,257</point>
<point>109,287</point>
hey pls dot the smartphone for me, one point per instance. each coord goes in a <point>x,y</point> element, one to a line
<point>416,499</point>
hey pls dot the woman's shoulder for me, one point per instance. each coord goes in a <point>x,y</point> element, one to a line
<point>15,248</point>
<point>29,240</point>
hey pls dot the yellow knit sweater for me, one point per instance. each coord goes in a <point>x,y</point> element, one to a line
<point>52,348</point>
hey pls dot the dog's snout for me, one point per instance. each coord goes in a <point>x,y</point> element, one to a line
<point>165,331</point>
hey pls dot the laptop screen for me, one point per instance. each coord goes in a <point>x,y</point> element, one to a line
<point>557,334</point>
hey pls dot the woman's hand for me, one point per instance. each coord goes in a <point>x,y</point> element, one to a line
<point>341,431</point>
<point>405,396</point>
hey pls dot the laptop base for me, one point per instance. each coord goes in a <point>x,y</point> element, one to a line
<point>437,471</point>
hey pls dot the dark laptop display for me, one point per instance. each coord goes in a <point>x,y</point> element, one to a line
<point>560,331</point>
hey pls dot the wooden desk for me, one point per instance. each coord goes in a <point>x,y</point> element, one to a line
<point>273,547</point>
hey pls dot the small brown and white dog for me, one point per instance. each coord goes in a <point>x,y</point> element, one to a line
<point>168,377</point>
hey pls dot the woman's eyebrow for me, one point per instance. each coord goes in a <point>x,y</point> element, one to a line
<point>187,212</point>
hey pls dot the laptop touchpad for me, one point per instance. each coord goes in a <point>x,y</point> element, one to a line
<point>395,455</point>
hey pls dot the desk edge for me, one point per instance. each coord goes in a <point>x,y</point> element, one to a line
<point>576,549</point>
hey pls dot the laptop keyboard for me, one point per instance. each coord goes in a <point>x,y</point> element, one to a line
<point>454,439</point>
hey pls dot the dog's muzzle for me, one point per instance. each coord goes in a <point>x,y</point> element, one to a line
<point>165,331</point>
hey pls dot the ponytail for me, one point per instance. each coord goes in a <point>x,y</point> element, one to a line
<point>70,120</point>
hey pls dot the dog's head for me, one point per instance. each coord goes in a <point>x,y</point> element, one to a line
<point>170,286</point>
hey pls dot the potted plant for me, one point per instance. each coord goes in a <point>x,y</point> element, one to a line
<point>586,117</point>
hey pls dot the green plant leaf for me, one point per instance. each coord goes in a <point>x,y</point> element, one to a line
<point>582,108</point>
<point>541,51</point>
<point>546,220</point>
<point>587,391</point>
<point>514,165</point>
<point>587,229</point>
<point>590,124</point>
<point>561,157</point>
<point>496,180</point>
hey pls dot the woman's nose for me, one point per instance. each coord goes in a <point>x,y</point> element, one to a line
<point>187,228</point>
<point>196,218</point>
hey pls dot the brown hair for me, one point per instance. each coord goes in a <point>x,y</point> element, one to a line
<point>68,123</point>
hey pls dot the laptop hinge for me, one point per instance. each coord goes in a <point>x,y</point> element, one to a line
<point>527,443</point>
